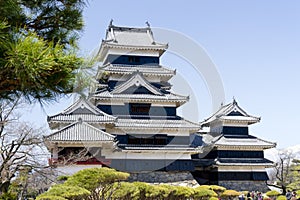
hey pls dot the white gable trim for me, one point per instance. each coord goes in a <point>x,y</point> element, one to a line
<point>136,80</point>
<point>80,103</point>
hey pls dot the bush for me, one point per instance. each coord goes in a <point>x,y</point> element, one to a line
<point>281,197</point>
<point>182,192</point>
<point>229,194</point>
<point>125,190</point>
<point>93,178</point>
<point>62,191</point>
<point>297,194</point>
<point>160,191</point>
<point>143,188</point>
<point>50,197</point>
<point>272,193</point>
<point>217,189</point>
<point>203,193</point>
<point>8,196</point>
<point>265,197</point>
<point>99,181</point>
<point>208,187</point>
<point>63,178</point>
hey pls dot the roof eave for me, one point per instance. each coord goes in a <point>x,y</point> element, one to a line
<point>239,121</point>
<point>182,101</point>
<point>161,48</point>
<point>245,146</point>
<point>159,128</point>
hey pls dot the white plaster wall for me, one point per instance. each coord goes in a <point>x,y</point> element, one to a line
<point>72,169</point>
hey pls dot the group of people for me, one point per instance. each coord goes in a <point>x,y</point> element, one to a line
<point>252,196</point>
<point>291,195</point>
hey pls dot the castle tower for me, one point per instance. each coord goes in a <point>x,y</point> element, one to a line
<point>236,160</point>
<point>129,122</point>
<point>131,109</point>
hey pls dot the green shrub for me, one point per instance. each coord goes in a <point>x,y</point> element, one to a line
<point>229,194</point>
<point>63,178</point>
<point>182,192</point>
<point>8,196</point>
<point>163,191</point>
<point>218,189</point>
<point>281,197</point>
<point>205,187</point>
<point>49,197</point>
<point>213,198</point>
<point>298,194</point>
<point>143,188</point>
<point>93,178</point>
<point>125,190</point>
<point>272,193</point>
<point>66,191</point>
<point>203,193</point>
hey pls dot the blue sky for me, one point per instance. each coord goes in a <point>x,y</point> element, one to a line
<point>255,45</point>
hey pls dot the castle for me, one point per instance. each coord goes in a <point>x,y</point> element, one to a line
<point>129,122</point>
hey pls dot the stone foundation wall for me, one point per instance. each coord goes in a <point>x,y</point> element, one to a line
<point>186,179</point>
<point>161,177</point>
<point>245,185</point>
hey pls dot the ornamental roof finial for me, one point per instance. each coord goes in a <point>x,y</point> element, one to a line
<point>234,101</point>
<point>148,24</point>
<point>111,22</point>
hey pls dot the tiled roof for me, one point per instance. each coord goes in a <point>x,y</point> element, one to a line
<point>156,123</point>
<point>84,117</point>
<point>144,97</point>
<point>144,69</point>
<point>79,131</point>
<point>242,161</point>
<point>224,114</point>
<point>131,36</point>
<point>82,109</point>
<point>239,118</point>
<point>244,142</point>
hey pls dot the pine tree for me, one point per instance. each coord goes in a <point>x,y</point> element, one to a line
<point>38,57</point>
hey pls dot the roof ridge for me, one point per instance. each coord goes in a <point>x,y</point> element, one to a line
<point>64,128</point>
<point>87,104</point>
<point>77,103</point>
<point>225,111</point>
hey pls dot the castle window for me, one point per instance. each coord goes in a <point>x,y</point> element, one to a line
<point>133,140</point>
<point>152,140</point>
<point>229,130</point>
<point>139,109</point>
<point>133,59</point>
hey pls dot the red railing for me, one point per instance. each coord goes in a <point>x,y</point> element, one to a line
<point>95,161</point>
<point>91,161</point>
<point>52,161</point>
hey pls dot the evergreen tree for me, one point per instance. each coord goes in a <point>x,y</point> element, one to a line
<point>37,48</point>
<point>294,175</point>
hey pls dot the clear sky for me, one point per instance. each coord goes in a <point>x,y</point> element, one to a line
<point>255,45</point>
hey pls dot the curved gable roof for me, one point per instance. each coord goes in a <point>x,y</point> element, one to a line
<point>82,109</point>
<point>137,80</point>
<point>231,112</point>
<point>79,131</point>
